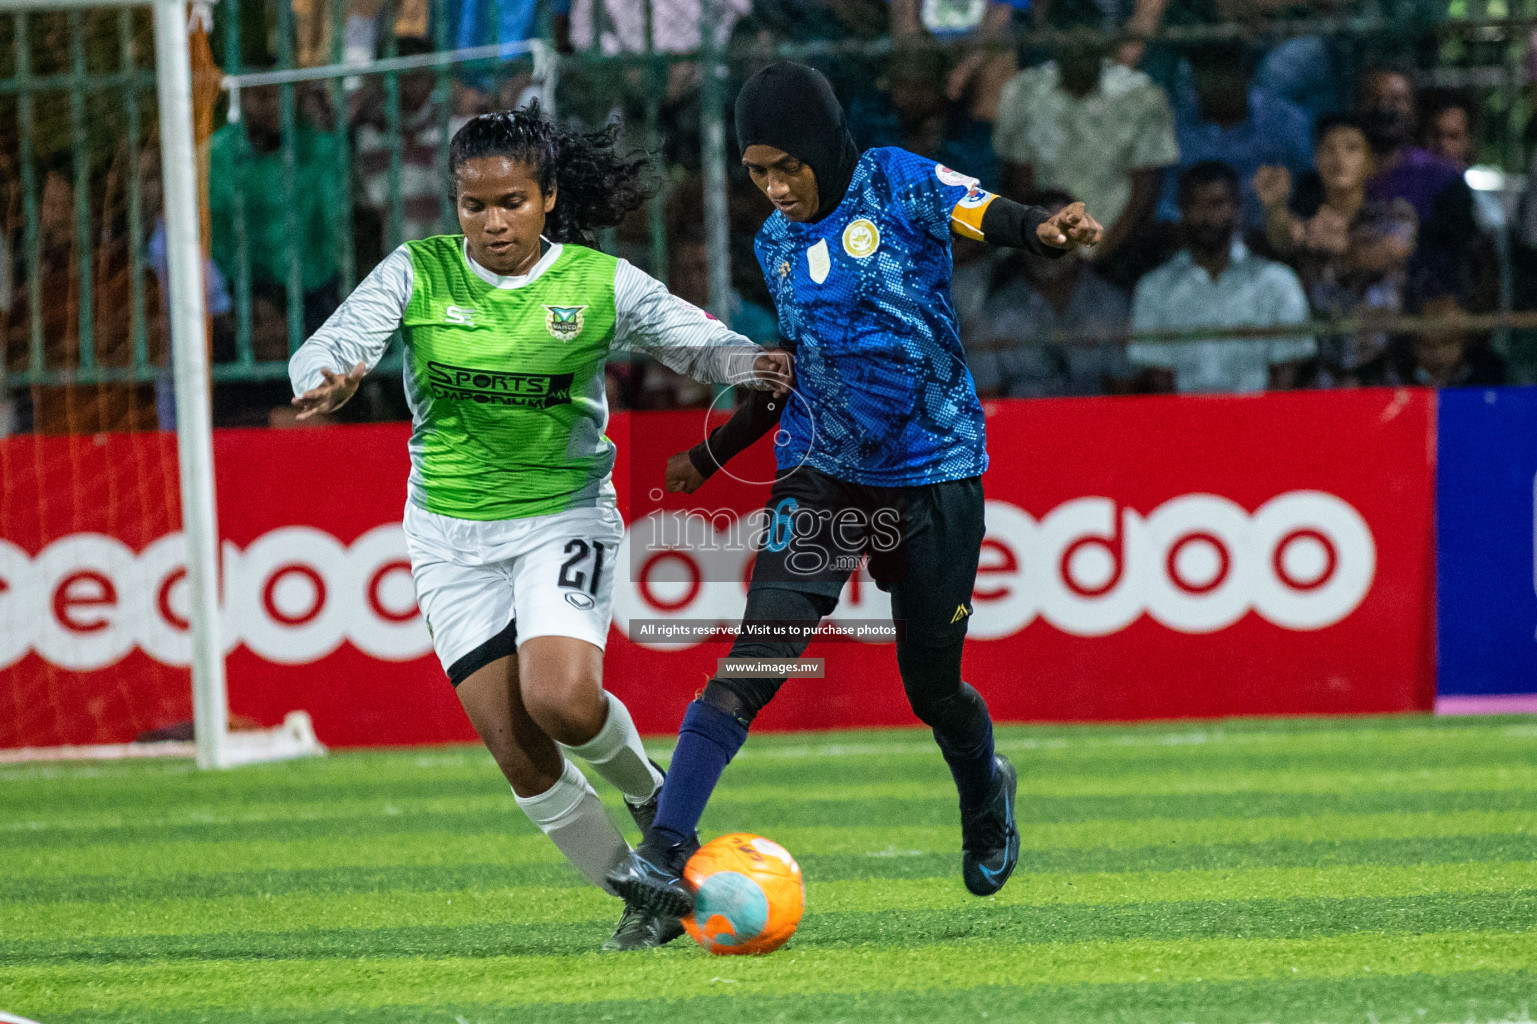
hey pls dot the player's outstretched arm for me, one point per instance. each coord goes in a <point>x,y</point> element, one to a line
<point>688,340</point>
<point>327,369</point>
<point>1001,221</point>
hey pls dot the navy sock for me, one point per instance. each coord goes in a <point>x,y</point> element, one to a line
<point>707,741</point>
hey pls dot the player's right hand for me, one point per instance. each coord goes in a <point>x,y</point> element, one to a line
<point>332,394</point>
<point>776,365</point>
<point>681,474</point>
<point>1068,227</point>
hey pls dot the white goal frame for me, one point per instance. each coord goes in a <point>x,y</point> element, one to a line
<point>189,358</point>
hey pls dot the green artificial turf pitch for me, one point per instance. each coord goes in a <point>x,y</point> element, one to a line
<point>1371,870</point>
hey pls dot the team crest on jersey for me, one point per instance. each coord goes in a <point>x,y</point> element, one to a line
<point>818,262</point>
<point>861,238</point>
<point>563,322</point>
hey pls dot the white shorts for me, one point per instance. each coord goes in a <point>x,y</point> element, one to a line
<point>485,587</point>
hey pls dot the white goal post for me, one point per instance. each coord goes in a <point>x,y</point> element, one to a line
<point>190,369</point>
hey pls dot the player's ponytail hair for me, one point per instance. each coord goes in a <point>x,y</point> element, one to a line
<point>597,187</point>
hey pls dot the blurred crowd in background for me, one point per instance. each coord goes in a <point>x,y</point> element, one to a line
<point>1243,184</point>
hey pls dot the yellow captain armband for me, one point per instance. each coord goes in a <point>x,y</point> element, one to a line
<point>966,218</point>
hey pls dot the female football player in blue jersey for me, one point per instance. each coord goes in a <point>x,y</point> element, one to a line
<point>880,455</point>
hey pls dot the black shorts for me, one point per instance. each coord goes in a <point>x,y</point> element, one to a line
<point>922,542</point>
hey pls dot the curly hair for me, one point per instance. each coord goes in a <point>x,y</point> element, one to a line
<point>596,187</point>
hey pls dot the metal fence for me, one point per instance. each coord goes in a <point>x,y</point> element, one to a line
<point>323,158</point>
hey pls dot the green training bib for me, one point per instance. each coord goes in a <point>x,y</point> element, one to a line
<point>506,384</point>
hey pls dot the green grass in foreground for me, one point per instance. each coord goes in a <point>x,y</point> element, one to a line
<point>1372,870</point>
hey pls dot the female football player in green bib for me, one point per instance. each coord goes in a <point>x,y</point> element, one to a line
<point>511,520</point>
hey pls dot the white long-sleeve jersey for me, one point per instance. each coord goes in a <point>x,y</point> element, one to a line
<point>504,375</point>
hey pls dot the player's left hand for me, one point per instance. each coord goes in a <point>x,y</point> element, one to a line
<point>332,394</point>
<point>777,366</point>
<point>1068,227</point>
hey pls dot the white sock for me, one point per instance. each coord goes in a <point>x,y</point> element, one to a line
<point>570,813</point>
<point>616,754</point>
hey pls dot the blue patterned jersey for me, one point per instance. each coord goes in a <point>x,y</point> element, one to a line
<point>863,296</point>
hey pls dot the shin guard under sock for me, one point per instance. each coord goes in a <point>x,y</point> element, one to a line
<point>707,741</point>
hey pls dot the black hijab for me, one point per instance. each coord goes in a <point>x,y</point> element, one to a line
<point>792,107</point>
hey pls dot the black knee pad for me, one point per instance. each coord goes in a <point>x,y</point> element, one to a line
<point>780,604</point>
<point>770,605</point>
<point>743,698</point>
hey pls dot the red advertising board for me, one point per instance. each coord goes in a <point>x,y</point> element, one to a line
<point>1146,558</point>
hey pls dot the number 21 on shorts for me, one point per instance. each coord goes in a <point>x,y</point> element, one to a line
<point>579,582</point>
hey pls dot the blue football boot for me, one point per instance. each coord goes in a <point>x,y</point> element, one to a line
<point>989,840</point>
<point>651,878</point>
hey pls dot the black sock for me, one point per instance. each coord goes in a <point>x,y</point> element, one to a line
<point>957,714</point>
<point>970,757</point>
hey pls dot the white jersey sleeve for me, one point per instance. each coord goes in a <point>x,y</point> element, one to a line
<point>360,329</point>
<point>684,337</point>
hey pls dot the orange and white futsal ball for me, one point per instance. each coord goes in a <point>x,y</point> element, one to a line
<point>748,895</point>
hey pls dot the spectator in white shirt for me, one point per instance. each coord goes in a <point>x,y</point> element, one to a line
<point>1216,282</point>
<point>1090,127</point>
<point>620,25</point>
